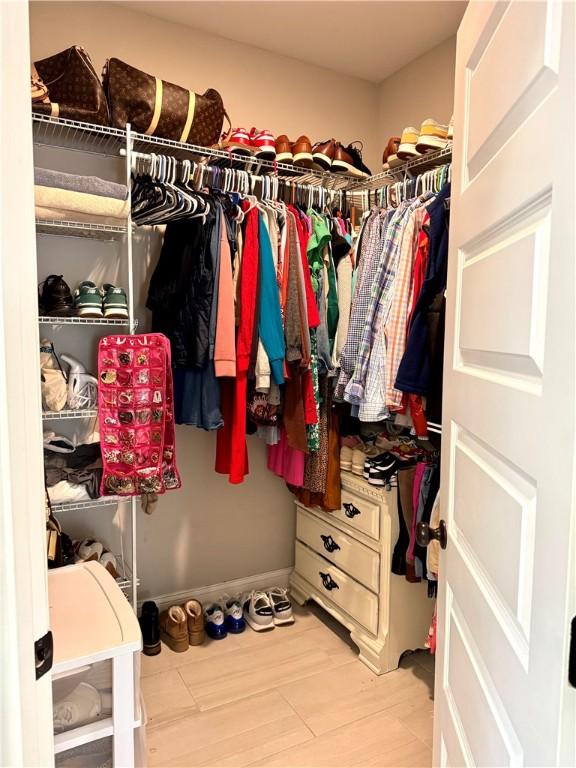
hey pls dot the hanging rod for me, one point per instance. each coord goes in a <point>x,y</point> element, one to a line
<point>427,162</point>
<point>256,167</point>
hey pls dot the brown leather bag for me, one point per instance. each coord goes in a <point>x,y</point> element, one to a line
<point>159,108</point>
<point>75,90</point>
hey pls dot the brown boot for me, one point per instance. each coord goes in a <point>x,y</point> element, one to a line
<point>195,616</point>
<point>174,629</point>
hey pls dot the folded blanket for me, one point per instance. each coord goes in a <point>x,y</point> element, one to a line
<point>80,202</point>
<point>92,185</point>
<point>59,214</point>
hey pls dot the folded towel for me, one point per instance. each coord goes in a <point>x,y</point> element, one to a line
<point>59,214</point>
<point>80,202</point>
<point>92,185</point>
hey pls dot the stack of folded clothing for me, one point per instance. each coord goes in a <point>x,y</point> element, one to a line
<point>73,473</point>
<point>68,197</point>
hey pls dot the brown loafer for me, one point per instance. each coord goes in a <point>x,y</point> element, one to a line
<point>323,153</point>
<point>284,149</point>
<point>195,617</point>
<point>302,152</point>
<point>391,149</point>
<point>174,629</point>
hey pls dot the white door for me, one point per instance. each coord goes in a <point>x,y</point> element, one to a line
<point>502,695</point>
<point>26,703</point>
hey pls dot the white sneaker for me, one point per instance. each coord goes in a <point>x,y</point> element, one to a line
<point>82,705</point>
<point>258,610</point>
<point>281,606</point>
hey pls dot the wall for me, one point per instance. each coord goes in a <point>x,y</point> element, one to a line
<point>423,88</point>
<point>209,531</point>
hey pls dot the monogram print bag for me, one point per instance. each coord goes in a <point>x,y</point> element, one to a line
<point>159,108</point>
<point>72,87</point>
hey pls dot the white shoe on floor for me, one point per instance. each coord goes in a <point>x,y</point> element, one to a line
<point>281,606</point>
<point>258,610</point>
<point>82,705</point>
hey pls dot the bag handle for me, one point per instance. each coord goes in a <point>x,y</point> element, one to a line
<point>225,134</point>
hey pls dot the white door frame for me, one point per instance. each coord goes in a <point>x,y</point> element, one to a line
<point>26,708</point>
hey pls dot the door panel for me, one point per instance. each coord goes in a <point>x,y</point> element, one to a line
<point>509,391</point>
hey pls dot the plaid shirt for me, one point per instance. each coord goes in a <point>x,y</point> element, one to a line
<point>360,300</point>
<point>396,326</point>
<point>377,309</point>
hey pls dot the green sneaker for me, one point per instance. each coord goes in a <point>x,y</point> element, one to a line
<point>88,300</point>
<point>115,303</point>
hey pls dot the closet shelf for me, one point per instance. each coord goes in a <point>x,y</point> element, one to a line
<point>82,137</point>
<point>69,414</point>
<point>104,501</point>
<point>417,165</point>
<point>46,320</point>
<point>103,140</point>
<point>81,229</point>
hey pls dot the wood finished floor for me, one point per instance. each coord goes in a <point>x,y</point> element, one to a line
<point>295,697</point>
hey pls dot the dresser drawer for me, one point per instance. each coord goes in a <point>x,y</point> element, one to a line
<point>353,557</point>
<point>359,513</point>
<point>358,601</point>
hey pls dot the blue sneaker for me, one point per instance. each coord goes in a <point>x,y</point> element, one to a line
<point>215,623</point>
<point>235,623</point>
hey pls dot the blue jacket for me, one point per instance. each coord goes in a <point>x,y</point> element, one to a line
<point>270,325</point>
<point>415,371</point>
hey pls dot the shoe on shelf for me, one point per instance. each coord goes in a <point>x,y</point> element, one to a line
<point>214,620</point>
<point>390,150</point>
<point>115,303</point>
<point>88,300</point>
<point>174,629</point>
<point>234,620</point>
<point>284,149</point>
<point>347,445</point>
<point>360,454</point>
<point>380,474</point>
<point>407,149</point>
<point>83,705</point>
<point>281,606</point>
<point>150,628</point>
<point>238,141</point>
<point>258,610</point>
<point>263,144</point>
<point>55,299</point>
<point>87,550</point>
<point>195,619</point>
<point>323,153</point>
<point>302,151</point>
<point>108,560</point>
<point>433,136</point>
<point>349,160</point>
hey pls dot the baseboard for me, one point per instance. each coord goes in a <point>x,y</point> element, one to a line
<point>215,591</point>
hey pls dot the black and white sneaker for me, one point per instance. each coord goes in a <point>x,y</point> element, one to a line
<point>381,474</point>
<point>373,461</point>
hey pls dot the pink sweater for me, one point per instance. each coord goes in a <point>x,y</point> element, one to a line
<point>225,344</point>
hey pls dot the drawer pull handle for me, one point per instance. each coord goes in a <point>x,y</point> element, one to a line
<point>328,581</point>
<point>350,510</point>
<point>329,543</point>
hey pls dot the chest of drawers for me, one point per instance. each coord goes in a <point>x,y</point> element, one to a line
<point>343,560</point>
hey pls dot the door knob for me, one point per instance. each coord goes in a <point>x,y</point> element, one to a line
<point>425,534</point>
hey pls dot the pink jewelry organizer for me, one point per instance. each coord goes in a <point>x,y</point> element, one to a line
<point>136,415</point>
